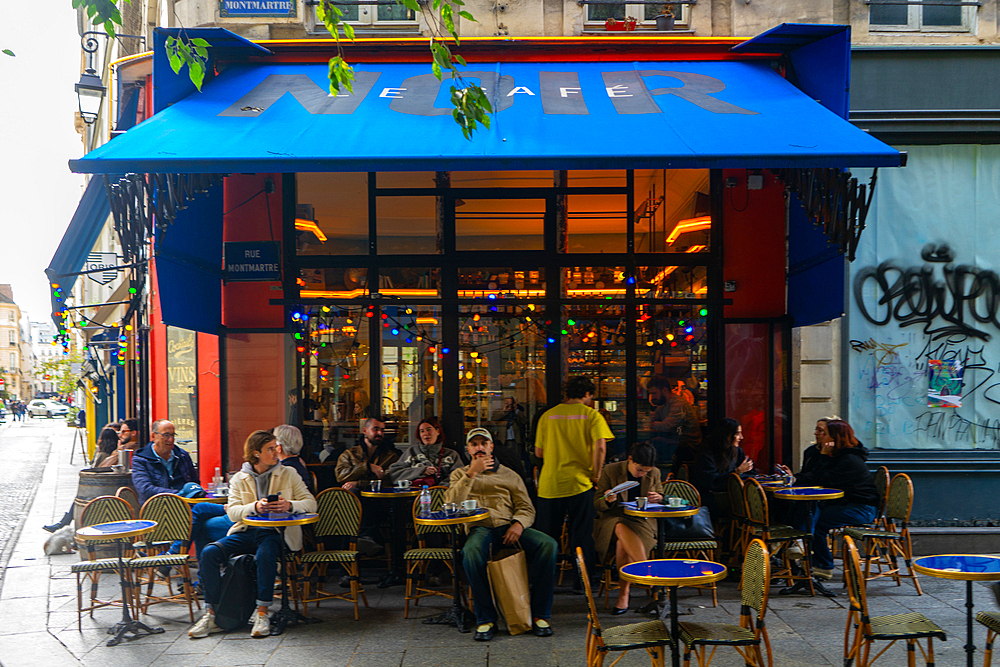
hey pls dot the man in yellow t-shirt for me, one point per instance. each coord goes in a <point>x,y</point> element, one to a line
<point>571,439</point>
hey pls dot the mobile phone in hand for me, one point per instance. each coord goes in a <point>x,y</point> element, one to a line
<point>273,498</point>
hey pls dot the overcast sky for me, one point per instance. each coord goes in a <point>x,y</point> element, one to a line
<point>38,194</point>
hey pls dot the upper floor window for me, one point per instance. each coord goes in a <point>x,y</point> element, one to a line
<point>13,360</point>
<point>12,338</point>
<point>381,16</point>
<point>897,15</point>
<point>10,315</point>
<point>644,15</point>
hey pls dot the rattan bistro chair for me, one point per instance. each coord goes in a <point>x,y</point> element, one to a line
<point>700,549</point>
<point>777,536</point>
<point>652,636</point>
<point>103,509</point>
<point>738,532</point>
<point>910,627</point>
<point>884,548</point>
<point>417,560</point>
<point>990,619</point>
<point>747,637</point>
<point>339,516</point>
<point>173,524</point>
<point>128,494</point>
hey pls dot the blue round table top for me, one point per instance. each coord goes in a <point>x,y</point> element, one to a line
<point>968,567</point>
<point>279,519</point>
<point>808,493</point>
<point>442,518</point>
<point>673,572</point>
<point>116,530</point>
<point>392,492</point>
<point>659,511</point>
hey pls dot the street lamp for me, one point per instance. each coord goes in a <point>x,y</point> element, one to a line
<point>90,93</point>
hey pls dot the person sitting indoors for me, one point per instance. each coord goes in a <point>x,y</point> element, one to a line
<point>501,490</point>
<point>107,444</point>
<point>721,457</point>
<point>261,476</point>
<point>128,438</point>
<point>428,461</point>
<point>289,446</point>
<point>630,538</point>
<point>674,422</point>
<point>841,464</point>
<point>161,466</point>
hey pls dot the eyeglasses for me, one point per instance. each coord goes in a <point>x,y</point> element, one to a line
<point>165,435</point>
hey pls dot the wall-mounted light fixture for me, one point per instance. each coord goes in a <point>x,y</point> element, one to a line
<point>90,90</point>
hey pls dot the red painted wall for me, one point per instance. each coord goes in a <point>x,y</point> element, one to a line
<point>754,246</point>
<point>209,425</point>
<point>158,350</point>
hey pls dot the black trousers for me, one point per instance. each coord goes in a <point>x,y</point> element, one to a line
<point>579,513</point>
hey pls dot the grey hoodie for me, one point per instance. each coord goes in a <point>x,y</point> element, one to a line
<point>262,480</point>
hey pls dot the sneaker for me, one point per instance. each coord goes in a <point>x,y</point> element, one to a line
<point>261,626</point>
<point>822,573</point>
<point>204,627</point>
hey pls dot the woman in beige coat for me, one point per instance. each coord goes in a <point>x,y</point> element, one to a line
<point>630,537</point>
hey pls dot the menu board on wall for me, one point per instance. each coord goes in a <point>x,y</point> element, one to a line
<point>182,388</point>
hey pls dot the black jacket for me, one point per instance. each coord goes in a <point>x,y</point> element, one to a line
<point>846,470</point>
<point>708,477</point>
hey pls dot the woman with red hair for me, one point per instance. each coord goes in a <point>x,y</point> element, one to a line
<point>841,464</point>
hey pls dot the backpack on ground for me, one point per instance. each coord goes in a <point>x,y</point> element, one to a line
<point>238,598</point>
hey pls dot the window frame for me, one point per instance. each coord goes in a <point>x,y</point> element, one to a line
<point>915,17</point>
<point>681,22</point>
<point>374,23</point>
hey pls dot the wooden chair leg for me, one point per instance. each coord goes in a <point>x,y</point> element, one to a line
<point>988,651</point>
<point>911,653</point>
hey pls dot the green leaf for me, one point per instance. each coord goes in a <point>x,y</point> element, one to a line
<point>461,60</point>
<point>197,71</point>
<point>348,31</point>
<point>412,5</point>
<point>9,53</point>
<point>468,17</point>
<point>198,41</point>
<point>175,61</point>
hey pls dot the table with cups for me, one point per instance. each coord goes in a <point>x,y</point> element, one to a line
<point>454,515</point>
<point>401,490</point>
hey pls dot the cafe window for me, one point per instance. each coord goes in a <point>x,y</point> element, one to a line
<point>644,14</point>
<point>411,375</point>
<point>377,15</point>
<point>182,388</point>
<point>942,16</point>
<point>332,214</point>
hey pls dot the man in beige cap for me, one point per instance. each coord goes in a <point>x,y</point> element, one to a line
<point>502,492</point>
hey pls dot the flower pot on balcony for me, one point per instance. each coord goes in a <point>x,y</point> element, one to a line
<point>664,22</point>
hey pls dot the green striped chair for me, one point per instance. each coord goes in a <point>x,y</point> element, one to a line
<point>747,637</point>
<point>417,560</point>
<point>653,636</point>
<point>777,537</point>
<point>910,627</point>
<point>886,546</point>
<point>173,524</point>
<point>339,516</point>
<point>990,619</point>
<point>103,509</point>
<point>701,549</point>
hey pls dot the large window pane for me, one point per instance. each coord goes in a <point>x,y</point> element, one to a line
<point>594,282</point>
<point>597,223</point>
<point>332,216</point>
<point>501,179</point>
<point>500,282</point>
<point>182,389</point>
<point>671,282</point>
<point>499,224</point>
<point>942,16</point>
<point>879,14</point>
<point>407,225</point>
<point>411,375</point>
<point>672,208</point>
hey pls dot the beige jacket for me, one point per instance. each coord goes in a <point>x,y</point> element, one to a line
<point>286,482</point>
<point>501,492</point>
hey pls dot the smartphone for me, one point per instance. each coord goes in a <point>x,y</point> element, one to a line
<point>273,498</point>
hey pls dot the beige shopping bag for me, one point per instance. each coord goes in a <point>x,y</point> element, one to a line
<point>508,575</point>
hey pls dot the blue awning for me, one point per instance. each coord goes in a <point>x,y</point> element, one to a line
<point>81,235</point>
<point>598,115</point>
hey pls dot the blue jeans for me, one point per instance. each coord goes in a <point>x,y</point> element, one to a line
<point>209,523</point>
<point>827,517</point>
<point>540,551</point>
<point>264,542</point>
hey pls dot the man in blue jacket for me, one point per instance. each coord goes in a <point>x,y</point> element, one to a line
<point>161,466</point>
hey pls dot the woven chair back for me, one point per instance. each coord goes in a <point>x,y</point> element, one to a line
<point>854,580</point>
<point>104,509</point>
<point>899,500</point>
<point>734,485</point>
<point>683,473</point>
<point>881,479</point>
<point>437,499</point>
<point>591,607</point>
<point>128,494</point>
<point>172,516</point>
<point>756,576</point>
<point>682,489</point>
<point>339,514</point>
<point>756,503</point>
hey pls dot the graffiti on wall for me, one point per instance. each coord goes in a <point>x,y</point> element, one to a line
<point>916,321</point>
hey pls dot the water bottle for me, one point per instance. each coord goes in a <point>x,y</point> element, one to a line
<point>425,501</point>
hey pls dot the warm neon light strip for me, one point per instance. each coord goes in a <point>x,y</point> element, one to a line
<point>310,226</point>
<point>689,225</point>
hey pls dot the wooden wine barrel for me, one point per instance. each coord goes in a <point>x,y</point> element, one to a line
<point>94,484</point>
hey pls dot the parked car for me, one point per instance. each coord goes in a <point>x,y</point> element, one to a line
<point>46,408</point>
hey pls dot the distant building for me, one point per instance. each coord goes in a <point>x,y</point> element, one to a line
<point>10,345</point>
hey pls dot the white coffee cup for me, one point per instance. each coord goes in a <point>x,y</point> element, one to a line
<point>674,501</point>
<point>403,484</point>
<point>469,504</point>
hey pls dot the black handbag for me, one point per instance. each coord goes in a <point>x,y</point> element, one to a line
<point>238,599</point>
<point>691,528</point>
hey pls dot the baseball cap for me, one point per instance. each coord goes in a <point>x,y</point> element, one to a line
<point>478,431</point>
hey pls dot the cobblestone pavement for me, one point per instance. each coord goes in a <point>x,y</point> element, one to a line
<point>39,622</point>
<point>24,450</point>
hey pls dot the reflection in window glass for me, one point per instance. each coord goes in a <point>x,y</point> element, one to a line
<point>500,224</point>
<point>597,223</point>
<point>597,348</point>
<point>502,282</point>
<point>411,375</point>
<point>672,209</point>
<point>671,282</point>
<point>332,214</point>
<point>407,225</point>
<point>501,370</point>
